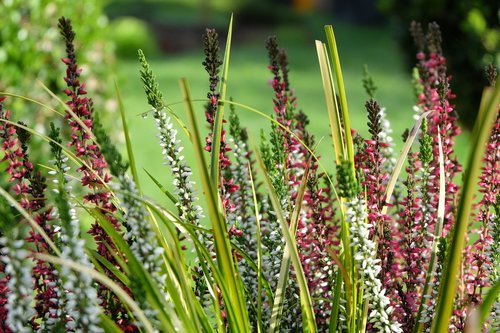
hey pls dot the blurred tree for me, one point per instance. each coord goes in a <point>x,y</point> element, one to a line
<point>31,48</point>
<point>471,39</point>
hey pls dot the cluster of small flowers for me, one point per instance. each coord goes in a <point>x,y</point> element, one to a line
<point>369,267</point>
<point>479,257</point>
<point>94,169</point>
<point>386,142</point>
<point>29,187</point>
<point>429,304</point>
<point>436,97</point>
<point>189,211</point>
<point>373,164</point>
<point>20,284</point>
<point>242,217</point>
<point>284,164</point>
<point>80,296</point>
<point>212,65</point>
<point>411,244</point>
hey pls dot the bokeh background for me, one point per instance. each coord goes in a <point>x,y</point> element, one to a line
<point>373,33</point>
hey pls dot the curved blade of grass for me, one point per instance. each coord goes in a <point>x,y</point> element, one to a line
<point>72,114</point>
<point>4,93</point>
<point>180,313</point>
<point>437,234</point>
<point>401,159</point>
<point>162,188</point>
<point>205,257</point>
<point>488,301</point>
<point>332,45</point>
<point>109,266</point>
<point>331,101</point>
<point>219,114</point>
<point>13,202</point>
<point>308,320</point>
<point>334,313</point>
<point>108,324</point>
<point>259,255</point>
<point>148,327</point>
<point>128,142</point>
<point>448,283</point>
<point>235,298</point>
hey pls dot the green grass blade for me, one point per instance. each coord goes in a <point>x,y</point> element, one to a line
<point>401,159</point>
<point>488,301</point>
<point>260,274</point>
<point>128,142</point>
<point>162,188</point>
<point>13,202</point>
<point>278,303</point>
<point>235,298</point>
<point>334,313</point>
<point>308,320</point>
<point>331,101</point>
<point>448,283</point>
<point>219,114</point>
<point>332,45</point>
<point>97,258</point>
<point>4,93</point>
<point>108,324</point>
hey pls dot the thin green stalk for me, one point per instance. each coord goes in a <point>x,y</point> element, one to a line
<point>128,141</point>
<point>334,313</point>
<point>488,301</point>
<point>401,159</point>
<point>332,45</point>
<point>219,114</point>
<point>331,101</point>
<point>4,93</point>
<point>260,275</point>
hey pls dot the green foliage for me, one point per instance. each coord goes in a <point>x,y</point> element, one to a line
<point>30,47</point>
<point>161,290</point>
<point>129,35</point>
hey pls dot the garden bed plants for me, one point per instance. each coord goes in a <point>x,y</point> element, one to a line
<point>268,239</point>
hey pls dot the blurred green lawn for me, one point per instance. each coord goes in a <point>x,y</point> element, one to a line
<point>248,84</point>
